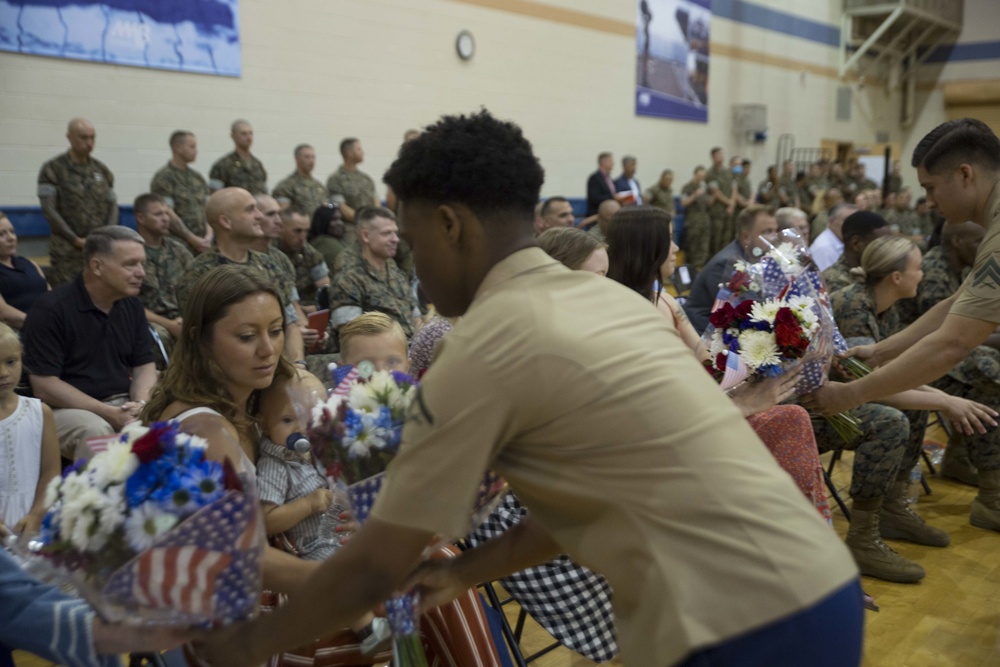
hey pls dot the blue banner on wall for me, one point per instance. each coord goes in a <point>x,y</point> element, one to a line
<point>187,35</point>
<point>672,58</point>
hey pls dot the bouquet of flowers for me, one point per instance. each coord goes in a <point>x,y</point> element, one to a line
<point>772,315</point>
<point>354,434</point>
<point>150,529</point>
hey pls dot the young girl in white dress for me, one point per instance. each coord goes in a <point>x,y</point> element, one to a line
<point>29,448</point>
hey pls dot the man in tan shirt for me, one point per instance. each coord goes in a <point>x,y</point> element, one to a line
<point>626,453</point>
<point>958,164</point>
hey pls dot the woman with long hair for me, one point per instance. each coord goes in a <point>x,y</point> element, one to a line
<point>229,350</point>
<point>643,257</point>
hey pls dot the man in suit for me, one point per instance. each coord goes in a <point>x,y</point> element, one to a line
<point>600,187</point>
<point>626,183</point>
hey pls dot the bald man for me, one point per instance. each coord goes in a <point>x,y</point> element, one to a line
<point>236,221</point>
<point>239,169</point>
<point>77,195</point>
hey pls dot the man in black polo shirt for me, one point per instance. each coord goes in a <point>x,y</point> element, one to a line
<point>87,343</point>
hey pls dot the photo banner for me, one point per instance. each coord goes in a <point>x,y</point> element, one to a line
<point>187,35</point>
<point>672,58</point>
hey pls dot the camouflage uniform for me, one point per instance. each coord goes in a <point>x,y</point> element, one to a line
<point>906,221</point>
<point>360,285</point>
<point>745,189</point>
<point>787,186</point>
<point>231,171</point>
<point>309,267</point>
<point>330,248</point>
<point>205,262</point>
<point>977,377</point>
<point>660,197</point>
<point>285,269</point>
<point>357,188</point>
<point>164,268</point>
<point>302,191</point>
<point>697,227</point>
<point>854,310</point>
<point>837,276</point>
<point>722,227</point>
<point>895,183</point>
<point>85,198</point>
<point>186,192</point>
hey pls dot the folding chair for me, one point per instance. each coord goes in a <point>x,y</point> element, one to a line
<point>513,636</point>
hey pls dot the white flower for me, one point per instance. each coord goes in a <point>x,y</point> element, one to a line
<point>192,442</point>
<point>716,346</point>
<point>52,491</point>
<point>765,311</point>
<point>357,448</point>
<point>114,465</point>
<point>787,256</point>
<point>362,399</point>
<point>809,321</point>
<point>92,517</point>
<point>757,348</point>
<point>146,523</point>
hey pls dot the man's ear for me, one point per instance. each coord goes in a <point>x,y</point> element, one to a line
<point>224,223</point>
<point>967,173</point>
<point>451,221</point>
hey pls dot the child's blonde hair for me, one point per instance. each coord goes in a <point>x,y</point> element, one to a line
<point>8,335</point>
<point>369,324</point>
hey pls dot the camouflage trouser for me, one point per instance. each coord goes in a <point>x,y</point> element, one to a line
<point>979,382</point>
<point>65,263</point>
<point>723,231</point>
<point>697,240</point>
<point>882,451</point>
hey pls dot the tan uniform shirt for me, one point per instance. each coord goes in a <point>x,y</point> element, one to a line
<point>980,297</point>
<point>586,400</point>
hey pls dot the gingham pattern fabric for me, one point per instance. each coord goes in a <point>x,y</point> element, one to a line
<point>572,603</point>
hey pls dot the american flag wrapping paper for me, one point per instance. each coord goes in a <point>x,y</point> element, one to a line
<point>206,569</point>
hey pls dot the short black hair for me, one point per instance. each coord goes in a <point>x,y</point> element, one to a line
<point>177,137</point>
<point>476,160</point>
<point>861,223</point>
<point>547,206</point>
<point>963,140</point>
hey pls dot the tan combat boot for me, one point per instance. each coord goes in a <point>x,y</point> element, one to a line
<point>898,521</point>
<point>986,506</point>
<point>874,557</point>
<point>956,464</point>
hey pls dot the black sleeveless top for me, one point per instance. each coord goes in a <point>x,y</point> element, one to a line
<point>21,285</point>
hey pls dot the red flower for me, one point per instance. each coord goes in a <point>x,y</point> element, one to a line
<point>788,333</point>
<point>721,318</point>
<point>742,311</point>
<point>720,361</point>
<point>739,282</point>
<point>148,447</point>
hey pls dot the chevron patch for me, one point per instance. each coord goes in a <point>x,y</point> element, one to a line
<point>986,279</point>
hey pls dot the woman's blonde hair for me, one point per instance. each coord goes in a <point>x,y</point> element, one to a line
<point>569,245</point>
<point>369,324</point>
<point>192,376</point>
<point>883,257</point>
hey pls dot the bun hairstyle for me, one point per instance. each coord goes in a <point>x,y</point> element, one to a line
<point>883,257</point>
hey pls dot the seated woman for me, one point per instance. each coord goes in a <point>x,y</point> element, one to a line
<point>643,257</point>
<point>890,270</point>
<point>576,249</point>
<point>327,232</point>
<point>21,281</point>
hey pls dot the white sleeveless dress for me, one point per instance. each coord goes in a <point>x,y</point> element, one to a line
<point>245,464</point>
<point>21,452</point>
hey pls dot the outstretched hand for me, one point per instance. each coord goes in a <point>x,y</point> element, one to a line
<point>436,583</point>
<point>830,399</point>
<point>755,397</point>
